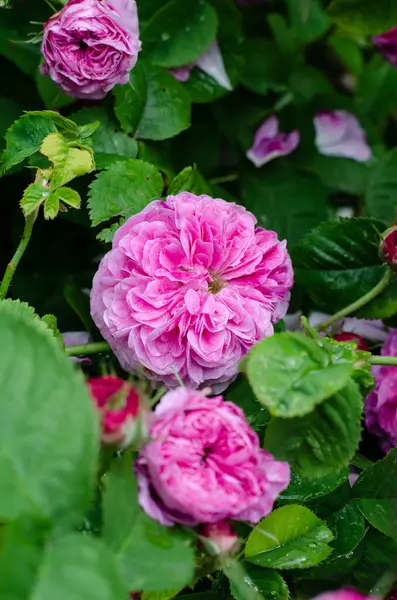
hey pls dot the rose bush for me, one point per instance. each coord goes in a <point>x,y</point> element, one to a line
<point>199,197</point>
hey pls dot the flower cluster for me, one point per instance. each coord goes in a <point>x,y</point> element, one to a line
<point>204,464</point>
<point>381,403</point>
<point>90,46</point>
<point>189,286</point>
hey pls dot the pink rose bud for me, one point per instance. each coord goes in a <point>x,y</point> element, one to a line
<point>118,405</point>
<point>352,337</point>
<point>190,285</point>
<point>222,537</point>
<point>381,403</point>
<point>387,44</point>
<point>90,46</point>
<point>269,143</point>
<point>345,594</point>
<point>205,464</point>
<point>339,133</point>
<point>388,247</point>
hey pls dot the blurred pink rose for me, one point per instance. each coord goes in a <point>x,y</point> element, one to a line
<point>211,62</point>
<point>345,594</point>
<point>381,403</point>
<point>190,285</point>
<point>339,133</point>
<point>205,464</point>
<point>269,143</point>
<point>387,44</point>
<point>90,45</point>
<point>118,405</point>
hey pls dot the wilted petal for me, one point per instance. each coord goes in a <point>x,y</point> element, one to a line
<point>182,73</point>
<point>339,133</point>
<point>211,62</point>
<point>76,338</point>
<point>270,144</point>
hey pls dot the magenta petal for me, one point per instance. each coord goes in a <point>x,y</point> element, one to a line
<point>270,144</point>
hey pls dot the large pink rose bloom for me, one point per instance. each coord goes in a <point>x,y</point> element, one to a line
<point>189,286</point>
<point>205,464</point>
<point>345,594</point>
<point>381,404</point>
<point>90,45</point>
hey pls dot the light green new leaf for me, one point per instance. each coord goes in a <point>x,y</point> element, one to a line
<point>69,162</point>
<point>51,207</point>
<point>179,33</point>
<point>290,373</point>
<point>151,557</point>
<point>49,430</point>
<point>72,566</point>
<point>324,441</point>
<point>153,105</point>
<point>376,494</point>
<point>68,196</point>
<point>55,148</point>
<point>24,138</point>
<point>125,188</point>
<point>32,197</point>
<point>291,537</point>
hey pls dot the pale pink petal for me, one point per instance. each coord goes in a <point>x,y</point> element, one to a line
<point>339,133</point>
<point>211,62</point>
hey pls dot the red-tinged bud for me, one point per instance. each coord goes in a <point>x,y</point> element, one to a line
<point>388,247</point>
<point>352,337</point>
<point>223,539</point>
<point>118,403</point>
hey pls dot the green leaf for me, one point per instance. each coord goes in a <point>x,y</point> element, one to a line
<point>151,557</point>
<point>69,162</point>
<point>364,16</point>
<point>290,373</point>
<point>51,206</point>
<point>338,262</point>
<point>240,392</point>
<point>125,188</point>
<point>348,528</point>
<point>51,95</point>
<point>308,19</point>
<point>291,537</point>
<point>163,595</point>
<point>348,51</point>
<point>153,105</point>
<point>379,556</point>
<point>24,138</point>
<point>179,33</point>
<point>381,191</point>
<point>63,123</point>
<point>341,174</point>
<point>71,566</point>
<point>109,144</point>
<point>269,583</point>
<point>183,181</point>
<point>49,434</point>
<point>302,489</point>
<point>376,494</point>
<point>32,197</point>
<point>241,586</point>
<point>322,442</point>
<point>264,69</point>
<point>287,202</point>
<point>68,196</point>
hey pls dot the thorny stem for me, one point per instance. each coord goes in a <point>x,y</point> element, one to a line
<point>14,262</point>
<point>84,349</point>
<point>351,308</point>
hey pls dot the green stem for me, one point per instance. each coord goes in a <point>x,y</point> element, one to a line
<point>355,306</point>
<point>383,360</point>
<point>14,262</point>
<point>87,349</point>
<point>224,178</point>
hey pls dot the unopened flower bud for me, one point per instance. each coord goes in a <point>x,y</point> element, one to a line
<point>118,404</point>
<point>223,539</point>
<point>352,337</point>
<point>388,247</point>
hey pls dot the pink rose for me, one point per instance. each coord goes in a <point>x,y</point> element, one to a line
<point>204,464</point>
<point>190,285</point>
<point>90,45</point>
<point>269,143</point>
<point>381,403</point>
<point>387,44</point>
<point>118,405</point>
<point>345,594</point>
<point>339,133</point>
